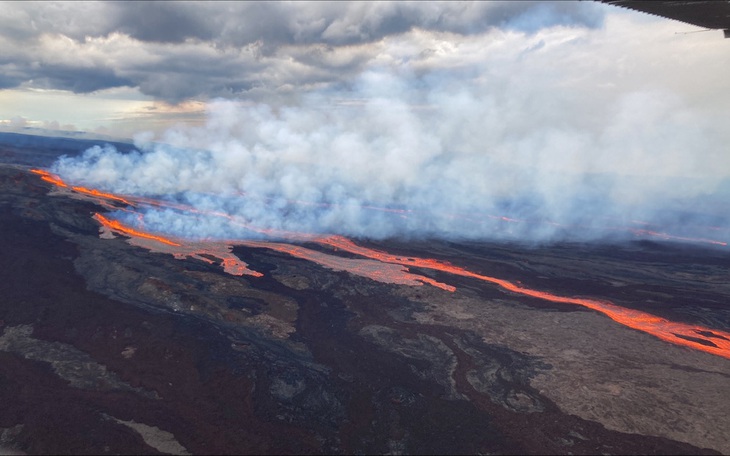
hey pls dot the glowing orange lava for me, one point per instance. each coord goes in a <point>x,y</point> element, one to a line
<point>375,270</point>
<point>116,226</point>
<point>395,269</point>
<point>713,341</point>
<point>48,177</point>
<point>180,248</point>
<point>99,194</point>
<point>57,181</point>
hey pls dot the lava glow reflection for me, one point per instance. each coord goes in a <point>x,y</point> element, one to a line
<point>384,267</point>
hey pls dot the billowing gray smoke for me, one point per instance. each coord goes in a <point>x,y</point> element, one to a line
<point>398,155</point>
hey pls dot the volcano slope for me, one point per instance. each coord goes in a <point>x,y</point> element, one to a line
<point>108,346</point>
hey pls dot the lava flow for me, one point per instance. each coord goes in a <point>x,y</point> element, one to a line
<point>697,337</point>
<point>180,249</point>
<point>104,195</point>
<point>50,178</point>
<point>131,232</point>
<point>375,270</point>
<point>394,269</point>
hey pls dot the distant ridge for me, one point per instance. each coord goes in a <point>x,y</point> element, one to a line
<point>39,150</point>
<point>36,131</point>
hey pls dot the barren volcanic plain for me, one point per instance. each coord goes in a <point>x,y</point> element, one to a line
<point>114,342</point>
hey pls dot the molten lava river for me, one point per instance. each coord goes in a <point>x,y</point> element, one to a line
<point>374,264</point>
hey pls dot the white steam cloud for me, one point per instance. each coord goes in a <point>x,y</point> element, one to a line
<point>509,134</point>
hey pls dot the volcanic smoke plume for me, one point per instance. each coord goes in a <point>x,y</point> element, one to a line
<point>394,158</point>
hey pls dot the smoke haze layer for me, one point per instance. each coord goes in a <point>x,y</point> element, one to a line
<point>499,148</point>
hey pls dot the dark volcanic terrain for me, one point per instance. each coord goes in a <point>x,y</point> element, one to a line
<point>107,347</point>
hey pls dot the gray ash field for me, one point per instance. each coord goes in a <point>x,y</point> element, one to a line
<point>108,347</point>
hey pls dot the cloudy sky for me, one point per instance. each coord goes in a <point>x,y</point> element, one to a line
<point>120,67</point>
<point>576,114</point>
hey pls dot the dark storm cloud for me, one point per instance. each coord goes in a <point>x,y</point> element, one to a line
<point>8,82</point>
<point>240,23</point>
<point>188,71</point>
<point>26,21</point>
<point>167,22</point>
<point>178,50</point>
<point>78,80</point>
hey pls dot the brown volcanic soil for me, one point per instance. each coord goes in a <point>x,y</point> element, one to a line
<point>106,347</point>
